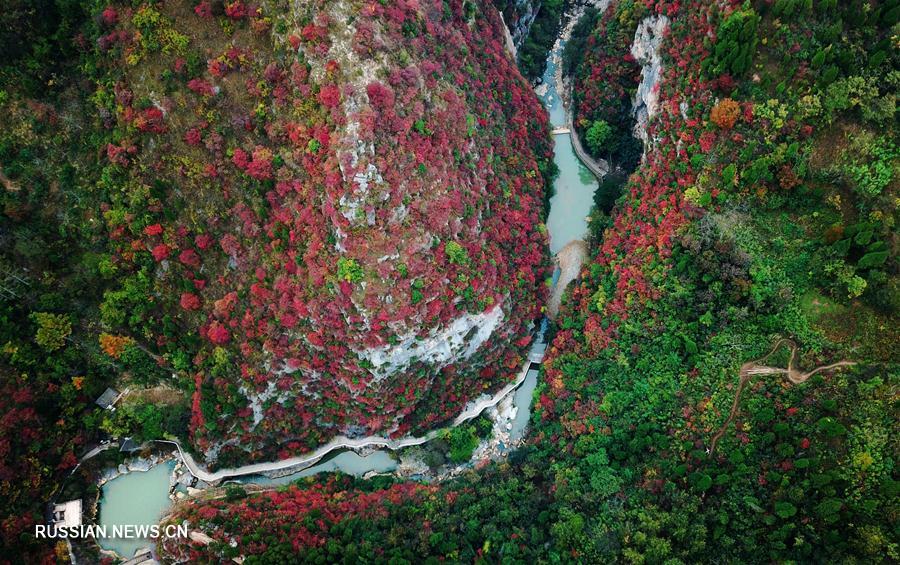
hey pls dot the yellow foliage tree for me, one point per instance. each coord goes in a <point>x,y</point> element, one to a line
<point>114,345</point>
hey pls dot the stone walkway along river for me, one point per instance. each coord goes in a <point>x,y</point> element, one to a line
<point>295,464</point>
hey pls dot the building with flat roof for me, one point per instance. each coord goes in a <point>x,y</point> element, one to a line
<point>66,514</point>
<point>108,399</point>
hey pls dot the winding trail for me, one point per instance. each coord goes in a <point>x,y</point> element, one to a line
<point>296,464</point>
<point>755,368</point>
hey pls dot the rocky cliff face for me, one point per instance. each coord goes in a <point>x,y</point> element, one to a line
<point>645,50</point>
<point>340,200</point>
<point>518,15</point>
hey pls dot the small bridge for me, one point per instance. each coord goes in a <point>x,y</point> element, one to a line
<point>560,130</point>
<point>537,351</point>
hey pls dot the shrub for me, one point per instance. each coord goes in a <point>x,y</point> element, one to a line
<point>456,253</point>
<point>846,277</point>
<point>818,59</point>
<point>870,260</point>
<point>349,270</point>
<point>53,329</point>
<point>598,136</point>
<point>785,509</point>
<point>234,492</point>
<point>726,113</point>
<point>114,345</point>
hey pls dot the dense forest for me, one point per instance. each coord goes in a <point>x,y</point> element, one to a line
<point>350,202</point>
<point>721,381</point>
<point>230,212</point>
<point>51,364</point>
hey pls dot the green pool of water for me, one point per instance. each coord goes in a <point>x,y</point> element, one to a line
<point>138,498</point>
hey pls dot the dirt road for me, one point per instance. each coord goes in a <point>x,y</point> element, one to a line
<point>755,368</point>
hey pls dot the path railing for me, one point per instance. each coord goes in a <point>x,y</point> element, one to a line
<point>600,167</point>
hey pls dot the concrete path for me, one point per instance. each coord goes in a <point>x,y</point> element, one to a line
<point>296,464</point>
<point>600,168</point>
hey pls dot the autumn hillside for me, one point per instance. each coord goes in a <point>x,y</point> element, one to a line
<point>330,206</point>
<point>722,384</point>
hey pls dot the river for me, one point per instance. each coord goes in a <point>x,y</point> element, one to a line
<point>143,497</point>
<point>573,190</point>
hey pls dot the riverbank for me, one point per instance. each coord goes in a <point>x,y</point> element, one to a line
<point>569,259</point>
<point>599,167</point>
<point>297,464</point>
<point>136,492</point>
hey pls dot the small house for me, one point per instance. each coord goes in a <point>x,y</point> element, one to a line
<point>108,399</point>
<point>127,445</point>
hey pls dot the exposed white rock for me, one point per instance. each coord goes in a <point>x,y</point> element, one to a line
<point>354,154</point>
<point>645,50</point>
<point>139,465</point>
<point>506,410</point>
<point>212,453</point>
<point>442,347</point>
<point>257,400</point>
<point>411,464</point>
<point>510,43</point>
<point>185,479</point>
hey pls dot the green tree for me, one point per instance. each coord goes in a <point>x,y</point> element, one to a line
<point>53,329</point>
<point>462,443</point>
<point>456,253</point>
<point>349,270</point>
<point>598,137</point>
<point>736,41</point>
